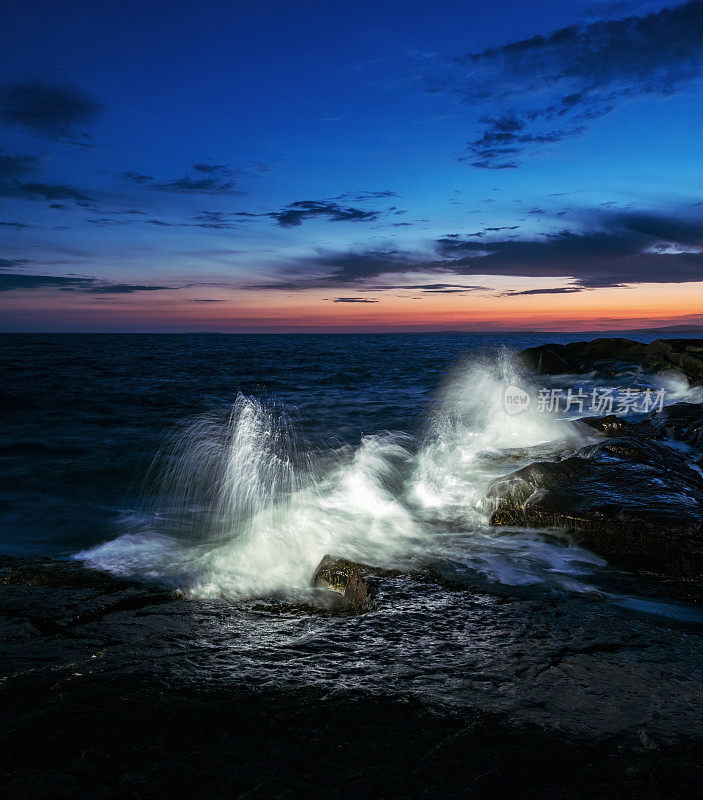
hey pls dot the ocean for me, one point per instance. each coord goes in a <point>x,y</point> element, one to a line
<point>227,465</point>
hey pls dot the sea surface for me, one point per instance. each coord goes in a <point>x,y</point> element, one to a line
<point>228,465</point>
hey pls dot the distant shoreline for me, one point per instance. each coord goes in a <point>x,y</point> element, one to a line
<point>614,333</point>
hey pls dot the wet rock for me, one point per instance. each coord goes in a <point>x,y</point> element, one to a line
<point>52,596</point>
<point>49,572</point>
<point>363,586</point>
<point>682,422</point>
<point>610,424</point>
<point>609,356</point>
<point>350,579</point>
<point>631,500</point>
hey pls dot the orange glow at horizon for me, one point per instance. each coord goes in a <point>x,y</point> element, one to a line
<point>635,306</point>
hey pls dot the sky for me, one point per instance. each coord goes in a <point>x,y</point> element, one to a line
<point>329,167</point>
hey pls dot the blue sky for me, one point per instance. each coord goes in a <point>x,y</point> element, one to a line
<point>309,166</point>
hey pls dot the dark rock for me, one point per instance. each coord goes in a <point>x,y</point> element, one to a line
<point>608,356</point>
<point>53,596</point>
<point>348,578</point>
<point>631,500</point>
<point>611,424</point>
<point>682,422</point>
<point>66,574</point>
<point>361,584</point>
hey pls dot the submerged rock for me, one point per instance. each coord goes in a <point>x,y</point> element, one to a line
<point>631,500</point>
<point>608,356</point>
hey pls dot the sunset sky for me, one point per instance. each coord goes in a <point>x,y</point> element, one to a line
<point>308,166</point>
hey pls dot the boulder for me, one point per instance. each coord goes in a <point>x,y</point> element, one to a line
<point>631,500</point>
<point>608,356</point>
<point>682,422</point>
<point>348,578</point>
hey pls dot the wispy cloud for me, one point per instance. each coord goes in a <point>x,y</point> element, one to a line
<point>296,213</point>
<point>354,300</point>
<point>70,283</point>
<point>57,112</point>
<point>204,177</point>
<point>604,248</point>
<point>14,173</point>
<point>551,87</point>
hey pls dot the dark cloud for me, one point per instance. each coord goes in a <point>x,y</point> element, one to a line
<point>53,112</point>
<point>34,190</point>
<point>353,300</point>
<point>12,263</point>
<point>215,220</point>
<point>295,213</point>
<point>507,136</point>
<point>11,282</point>
<point>204,179</point>
<point>208,300</point>
<point>197,185</point>
<point>431,288</point>
<point>361,196</point>
<point>18,226</point>
<point>212,169</point>
<point>14,171</point>
<point>558,290</point>
<point>16,166</point>
<point>137,177</point>
<point>124,288</point>
<point>607,249</point>
<point>552,86</point>
<point>613,249</point>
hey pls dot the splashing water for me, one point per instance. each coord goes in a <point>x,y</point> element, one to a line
<point>473,437</point>
<point>241,508</point>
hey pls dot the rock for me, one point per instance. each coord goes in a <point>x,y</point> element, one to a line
<point>608,356</point>
<point>682,422</point>
<point>53,596</point>
<point>611,424</point>
<point>362,586</point>
<point>631,500</point>
<point>36,571</point>
<point>349,579</point>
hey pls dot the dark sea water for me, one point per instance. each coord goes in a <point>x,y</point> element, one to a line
<point>84,414</point>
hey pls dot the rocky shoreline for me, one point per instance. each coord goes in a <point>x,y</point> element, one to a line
<point>111,689</point>
<point>635,498</point>
<point>388,682</point>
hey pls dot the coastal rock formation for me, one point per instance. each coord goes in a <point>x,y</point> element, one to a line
<point>609,356</point>
<point>682,422</point>
<point>632,500</point>
<point>351,580</point>
<point>531,697</point>
<point>40,595</point>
